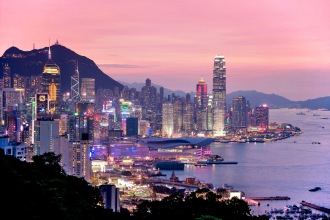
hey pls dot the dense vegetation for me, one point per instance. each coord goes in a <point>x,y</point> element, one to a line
<point>42,190</point>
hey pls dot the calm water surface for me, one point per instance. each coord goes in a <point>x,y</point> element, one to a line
<point>288,167</point>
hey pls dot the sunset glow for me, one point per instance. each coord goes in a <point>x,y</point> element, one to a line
<point>272,46</point>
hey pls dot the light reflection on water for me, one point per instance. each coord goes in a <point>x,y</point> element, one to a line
<point>288,167</point>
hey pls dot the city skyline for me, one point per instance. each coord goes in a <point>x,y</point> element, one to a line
<point>278,47</point>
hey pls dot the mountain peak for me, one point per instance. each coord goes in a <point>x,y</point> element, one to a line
<point>64,57</point>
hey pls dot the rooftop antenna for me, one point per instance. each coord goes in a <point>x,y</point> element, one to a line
<point>49,54</point>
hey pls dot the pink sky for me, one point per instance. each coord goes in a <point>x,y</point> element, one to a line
<point>272,46</point>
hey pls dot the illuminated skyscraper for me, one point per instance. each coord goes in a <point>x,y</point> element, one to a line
<point>261,115</point>
<point>201,98</point>
<point>219,96</point>
<point>239,113</point>
<point>88,89</point>
<point>167,120</point>
<point>51,83</point>
<point>75,95</point>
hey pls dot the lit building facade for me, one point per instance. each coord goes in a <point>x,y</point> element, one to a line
<point>87,89</point>
<point>51,83</point>
<point>201,105</point>
<point>261,115</point>
<point>167,120</point>
<point>6,76</point>
<point>239,113</point>
<point>219,96</point>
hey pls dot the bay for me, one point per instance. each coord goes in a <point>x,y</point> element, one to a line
<point>289,167</point>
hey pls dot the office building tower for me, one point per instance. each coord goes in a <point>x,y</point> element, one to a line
<point>178,116</point>
<point>19,82</point>
<point>110,195</point>
<point>188,117</point>
<point>201,105</point>
<point>219,96</point>
<point>6,76</point>
<point>167,120</point>
<point>144,127</point>
<point>51,83</point>
<point>83,121</point>
<point>261,115</point>
<point>46,136</point>
<point>81,162</point>
<point>10,100</point>
<point>239,113</point>
<point>210,113</point>
<point>132,127</point>
<point>41,105</point>
<point>101,127</point>
<point>75,87</point>
<point>87,89</point>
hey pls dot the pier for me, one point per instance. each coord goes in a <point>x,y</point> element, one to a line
<point>270,198</point>
<point>316,207</point>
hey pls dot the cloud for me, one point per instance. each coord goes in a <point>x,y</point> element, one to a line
<point>124,66</point>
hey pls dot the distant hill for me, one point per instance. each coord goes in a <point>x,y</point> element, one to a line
<point>254,97</point>
<point>258,98</point>
<point>167,92</point>
<point>28,63</point>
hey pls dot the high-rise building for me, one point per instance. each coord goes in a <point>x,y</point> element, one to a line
<point>6,76</point>
<point>110,195</point>
<point>88,89</point>
<point>46,136</point>
<point>239,113</point>
<point>132,127</point>
<point>51,83</point>
<point>201,105</point>
<point>75,94</point>
<point>167,120</point>
<point>261,115</point>
<point>219,96</point>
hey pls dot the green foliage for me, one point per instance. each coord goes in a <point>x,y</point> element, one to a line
<point>201,204</point>
<point>42,190</point>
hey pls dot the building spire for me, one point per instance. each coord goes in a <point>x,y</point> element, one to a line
<point>49,53</point>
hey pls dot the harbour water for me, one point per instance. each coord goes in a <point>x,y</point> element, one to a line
<point>289,167</point>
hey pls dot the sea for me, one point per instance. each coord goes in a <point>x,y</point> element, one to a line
<point>288,167</point>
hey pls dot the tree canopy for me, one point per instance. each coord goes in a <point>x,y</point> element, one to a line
<point>42,190</point>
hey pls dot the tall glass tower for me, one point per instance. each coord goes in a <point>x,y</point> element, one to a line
<point>219,95</point>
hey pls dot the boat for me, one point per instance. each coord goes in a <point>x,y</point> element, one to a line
<point>324,117</point>
<point>315,189</point>
<point>316,114</point>
<point>315,142</point>
<point>300,113</point>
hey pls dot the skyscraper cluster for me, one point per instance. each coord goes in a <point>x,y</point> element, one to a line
<point>38,117</point>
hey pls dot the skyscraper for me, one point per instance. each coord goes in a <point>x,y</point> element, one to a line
<point>201,98</point>
<point>51,83</point>
<point>239,113</point>
<point>219,96</point>
<point>261,114</point>
<point>75,94</point>
<point>88,89</point>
